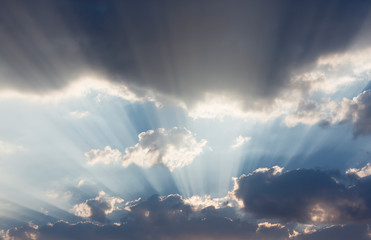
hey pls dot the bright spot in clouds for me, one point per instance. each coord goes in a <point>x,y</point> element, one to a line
<point>363,172</point>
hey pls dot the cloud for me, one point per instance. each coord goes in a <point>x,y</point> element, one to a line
<point>342,232</point>
<point>363,172</point>
<point>79,114</point>
<point>106,156</point>
<point>98,208</point>
<point>172,217</point>
<point>186,58</point>
<point>9,148</point>
<point>310,112</point>
<point>161,217</point>
<point>83,85</point>
<point>304,196</point>
<point>174,148</point>
<point>28,232</point>
<point>239,141</point>
<point>358,111</point>
<point>299,102</point>
<point>241,71</point>
<point>200,202</point>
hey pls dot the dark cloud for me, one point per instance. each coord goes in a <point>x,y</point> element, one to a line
<point>63,230</point>
<point>170,218</point>
<point>360,232</point>
<point>158,218</point>
<point>97,208</point>
<point>361,114</point>
<point>178,48</point>
<point>304,196</point>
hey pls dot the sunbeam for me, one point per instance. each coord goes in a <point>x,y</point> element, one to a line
<point>192,119</point>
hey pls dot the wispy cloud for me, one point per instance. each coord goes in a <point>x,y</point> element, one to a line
<point>239,141</point>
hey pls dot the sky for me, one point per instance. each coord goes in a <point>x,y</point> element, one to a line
<point>172,119</point>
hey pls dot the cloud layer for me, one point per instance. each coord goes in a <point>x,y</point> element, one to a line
<point>305,196</point>
<point>218,50</point>
<point>170,217</point>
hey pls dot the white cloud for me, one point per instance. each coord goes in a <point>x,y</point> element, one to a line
<point>200,202</point>
<point>296,103</point>
<point>363,172</point>
<point>82,210</point>
<point>109,205</point>
<point>269,225</point>
<point>174,148</point>
<point>275,170</point>
<point>106,156</point>
<point>239,141</point>
<point>354,110</point>
<point>9,148</point>
<point>79,114</point>
<point>82,86</point>
<point>311,112</point>
<point>358,60</point>
<point>216,106</point>
<point>331,74</point>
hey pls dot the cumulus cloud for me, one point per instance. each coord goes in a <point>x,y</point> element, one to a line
<point>98,208</point>
<point>307,196</point>
<point>174,148</point>
<point>105,156</point>
<point>161,217</point>
<point>356,111</point>
<point>203,217</point>
<point>171,217</point>
<point>205,230</point>
<point>239,141</point>
<point>363,172</point>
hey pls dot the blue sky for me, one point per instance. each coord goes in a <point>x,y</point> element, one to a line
<point>185,119</point>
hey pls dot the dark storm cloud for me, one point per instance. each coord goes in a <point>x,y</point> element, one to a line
<point>179,48</point>
<point>38,51</point>
<point>305,196</point>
